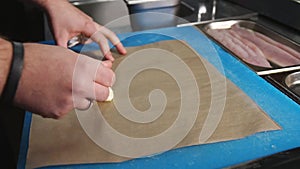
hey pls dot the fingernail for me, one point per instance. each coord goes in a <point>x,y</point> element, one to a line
<point>104,64</point>
<point>124,52</point>
<point>109,56</point>
<point>112,58</point>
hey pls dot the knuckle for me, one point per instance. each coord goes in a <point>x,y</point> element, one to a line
<point>64,106</point>
<point>80,88</point>
<point>112,34</point>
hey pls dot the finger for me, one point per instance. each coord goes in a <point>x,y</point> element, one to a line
<point>104,76</point>
<point>113,38</point>
<point>109,34</point>
<point>103,93</point>
<point>62,40</point>
<point>90,29</point>
<point>109,56</point>
<point>99,38</point>
<point>107,63</point>
<point>88,41</point>
<point>121,49</point>
<point>82,103</point>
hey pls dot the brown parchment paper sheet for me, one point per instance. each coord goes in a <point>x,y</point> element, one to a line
<point>61,142</point>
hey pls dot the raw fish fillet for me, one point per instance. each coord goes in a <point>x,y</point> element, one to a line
<point>253,51</point>
<point>280,45</point>
<point>249,52</point>
<point>272,52</point>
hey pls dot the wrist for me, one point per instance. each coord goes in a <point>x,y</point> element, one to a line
<point>14,75</point>
<point>6,53</point>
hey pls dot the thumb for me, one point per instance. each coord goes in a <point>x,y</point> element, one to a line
<point>62,40</point>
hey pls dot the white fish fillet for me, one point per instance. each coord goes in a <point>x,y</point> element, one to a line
<point>280,45</point>
<point>249,52</point>
<point>272,52</point>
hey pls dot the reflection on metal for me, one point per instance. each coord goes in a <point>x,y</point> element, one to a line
<point>297,1</point>
<point>279,70</point>
<point>245,16</point>
<point>188,6</point>
<point>214,8</point>
<point>207,10</point>
<point>81,2</point>
<point>144,14</point>
<point>79,39</point>
<point>132,2</point>
<point>293,79</point>
<point>202,10</point>
<point>148,4</point>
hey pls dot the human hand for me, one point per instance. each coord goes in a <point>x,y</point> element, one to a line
<point>67,21</point>
<point>52,85</point>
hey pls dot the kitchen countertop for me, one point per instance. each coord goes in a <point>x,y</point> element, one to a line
<point>223,9</point>
<point>227,9</point>
<point>278,106</point>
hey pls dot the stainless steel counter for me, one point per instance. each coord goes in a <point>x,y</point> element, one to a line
<point>207,10</point>
<point>115,14</point>
<point>283,11</point>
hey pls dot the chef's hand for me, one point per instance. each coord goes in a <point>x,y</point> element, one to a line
<point>67,21</point>
<point>52,85</point>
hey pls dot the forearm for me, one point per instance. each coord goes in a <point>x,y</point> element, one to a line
<point>5,61</point>
<point>45,4</point>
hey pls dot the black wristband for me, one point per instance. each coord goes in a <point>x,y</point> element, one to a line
<point>14,74</point>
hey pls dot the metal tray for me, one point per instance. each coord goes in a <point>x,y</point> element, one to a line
<point>286,79</point>
<point>258,28</point>
<point>287,82</point>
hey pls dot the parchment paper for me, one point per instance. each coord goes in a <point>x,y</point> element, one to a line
<point>64,141</point>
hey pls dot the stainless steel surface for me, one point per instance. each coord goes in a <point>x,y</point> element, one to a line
<point>79,39</point>
<point>287,82</point>
<point>293,80</point>
<point>200,23</point>
<point>297,1</point>
<point>280,77</point>
<point>80,2</point>
<point>207,10</point>
<point>215,10</point>
<point>279,70</point>
<point>283,11</point>
<point>202,10</point>
<point>249,24</point>
<point>115,13</point>
<point>144,14</point>
<point>146,4</point>
<point>187,11</point>
<point>111,13</point>
<point>255,27</point>
<point>222,25</point>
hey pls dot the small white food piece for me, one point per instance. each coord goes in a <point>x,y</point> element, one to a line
<point>110,95</point>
